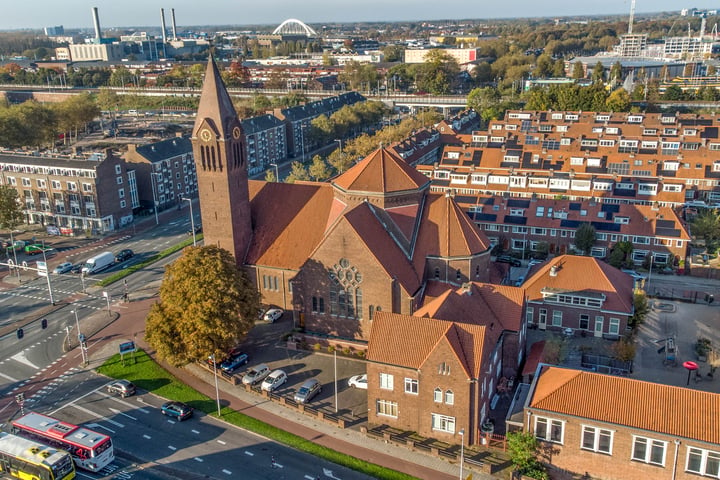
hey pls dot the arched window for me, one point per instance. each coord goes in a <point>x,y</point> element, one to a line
<point>358,304</point>
<point>438,395</point>
<point>449,397</point>
<point>371,309</point>
<point>458,274</point>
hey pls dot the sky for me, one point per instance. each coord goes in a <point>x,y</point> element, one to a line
<point>17,14</point>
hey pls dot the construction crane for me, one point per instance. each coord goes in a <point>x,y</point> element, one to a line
<point>632,17</point>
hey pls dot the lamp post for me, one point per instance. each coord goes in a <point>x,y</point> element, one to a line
<point>335,369</point>
<point>81,339</point>
<point>217,390</point>
<point>47,275</point>
<point>647,286</point>
<point>462,450</point>
<point>12,245</point>
<point>192,219</point>
<point>339,140</point>
<point>277,172</point>
<point>155,202</point>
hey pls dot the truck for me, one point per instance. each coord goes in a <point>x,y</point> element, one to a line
<point>99,262</point>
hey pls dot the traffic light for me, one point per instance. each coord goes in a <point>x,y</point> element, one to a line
<point>43,323</point>
<point>20,333</point>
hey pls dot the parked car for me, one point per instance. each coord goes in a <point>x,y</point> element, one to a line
<point>77,268</point>
<point>666,271</point>
<point>233,362</point>
<point>308,390</point>
<point>123,255</point>
<point>274,380</point>
<point>519,281</point>
<point>273,314</point>
<point>34,249</point>
<point>508,259</point>
<point>637,276</point>
<point>256,374</point>
<point>358,381</point>
<point>63,267</point>
<point>124,388</point>
<point>178,410</point>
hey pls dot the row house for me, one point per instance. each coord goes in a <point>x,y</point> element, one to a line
<point>165,172</point>
<point>421,148</point>
<point>639,158</point>
<point>297,120</point>
<point>538,226</point>
<point>613,428</point>
<point>572,293</point>
<point>94,194</point>
<point>448,374</point>
<point>265,142</point>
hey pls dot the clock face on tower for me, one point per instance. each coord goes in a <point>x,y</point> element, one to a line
<point>206,135</point>
<point>236,133</point>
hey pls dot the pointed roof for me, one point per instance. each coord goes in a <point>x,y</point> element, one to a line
<point>383,171</point>
<point>653,407</point>
<point>215,103</point>
<point>420,336</point>
<point>458,235</point>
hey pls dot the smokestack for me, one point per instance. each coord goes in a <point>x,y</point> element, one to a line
<point>162,23</point>
<point>96,21</point>
<point>174,26</point>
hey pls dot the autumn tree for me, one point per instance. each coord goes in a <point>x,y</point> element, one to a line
<point>319,170</point>
<point>438,75</point>
<point>207,305</point>
<point>298,172</point>
<point>11,214</point>
<point>585,238</point>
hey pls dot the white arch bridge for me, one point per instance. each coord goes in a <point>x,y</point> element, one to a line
<point>293,26</point>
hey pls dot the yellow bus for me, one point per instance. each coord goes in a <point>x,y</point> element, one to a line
<point>27,460</point>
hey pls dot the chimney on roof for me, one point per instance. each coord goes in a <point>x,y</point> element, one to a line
<point>554,271</point>
<point>467,288</point>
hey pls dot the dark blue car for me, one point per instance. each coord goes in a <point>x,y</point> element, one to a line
<point>234,362</point>
<point>178,410</point>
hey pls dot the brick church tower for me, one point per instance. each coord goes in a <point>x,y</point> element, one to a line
<point>222,178</point>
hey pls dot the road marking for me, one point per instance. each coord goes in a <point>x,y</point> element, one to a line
<point>20,357</point>
<point>221,442</point>
<point>97,425</point>
<point>277,465</point>
<point>195,431</point>
<point>198,459</point>
<point>249,454</point>
<point>98,416</point>
<point>147,437</point>
<point>171,421</point>
<point>309,477</point>
<point>8,377</point>
<point>228,472</point>
<point>172,448</point>
<point>118,412</point>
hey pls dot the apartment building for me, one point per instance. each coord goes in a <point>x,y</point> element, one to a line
<point>535,227</point>
<point>616,428</point>
<point>90,194</point>
<point>265,142</point>
<point>165,172</point>
<point>665,159</point>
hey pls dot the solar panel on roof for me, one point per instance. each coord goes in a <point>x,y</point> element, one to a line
<point>665,223</point>
<point>515,220</point>
<point>518,203</point>
<point>609,207</point>
<point>483,217</point>
<point>575,206</point>
<point>570,223</point>
<point>667,232</point>
<point>606,226</point>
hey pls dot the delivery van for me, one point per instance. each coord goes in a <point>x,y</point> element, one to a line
<point>98,263</point>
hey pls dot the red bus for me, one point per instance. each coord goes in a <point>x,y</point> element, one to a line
<point>90,450</point>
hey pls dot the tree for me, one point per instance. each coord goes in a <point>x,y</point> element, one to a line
<point>578,70</point>
<point>621,254</point>
<point>598,73</point>
<point>642,308</point>
<point>706,225</point>
<point>618,101</point>
<point>585,238</point>
<point>524,449</point>
<point>319,170</point>
<point>438,75</point>
<point>206,307</point>
<point>11,214</point>
<point>297,172</point>
<point>481,98</point>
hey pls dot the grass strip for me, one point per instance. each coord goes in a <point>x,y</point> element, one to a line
<point>144,372</point>
<point>149,261</point>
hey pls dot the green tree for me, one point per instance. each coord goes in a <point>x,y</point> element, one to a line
<point>524,450</point>
<point>481,98</point>
<point>618,101</point>
<point>578,71</point>
<point>270,175</point>
<point>11,214</point>
<point>319,170</point>
<point>298,172</point>
<point>207,305</point>
<point>439,74</point>
<point>585,238</point>
<point>621,255</point>
<point>616,73</point>
<point>598,73</point>
<point>642,308</point>
<point>706,225</point>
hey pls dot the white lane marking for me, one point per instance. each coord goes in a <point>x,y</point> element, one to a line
<point>172,448</point>
<point>277,465</point>
<point>171,421</point>
<point>118,412</point>
<point>97,425</point>
<point>20,357</point>
<point>309,477</point>
<point>228,472</point>
<point>73,401</point>
<point>8,377</point>
<point>98,416</point>
<point>198,459</point>
<point>147,437</point>
<point>249,454</point>
<point>195,431</point>
<point>222,442</point>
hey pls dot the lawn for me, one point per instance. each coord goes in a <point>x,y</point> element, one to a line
<point>144,372</point>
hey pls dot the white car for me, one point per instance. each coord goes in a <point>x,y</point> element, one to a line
<point>273,314</point>
<point>274,380</point>
<point>63,267</point>
<point>358,381</point>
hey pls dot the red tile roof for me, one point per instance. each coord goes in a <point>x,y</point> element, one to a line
<point>653,407</point>
<point>383,171</point>
<point>419,336</point>
<point>577,274</point>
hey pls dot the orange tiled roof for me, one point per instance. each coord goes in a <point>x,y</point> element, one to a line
<point>420,336</point>
<point>577,274</point>
<point>478,303</point>
<point>383,171</point>
<point>654,407</point>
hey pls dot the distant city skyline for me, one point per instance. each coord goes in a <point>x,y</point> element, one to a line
<point>146,13</point>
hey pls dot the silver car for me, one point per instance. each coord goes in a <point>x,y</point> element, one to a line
<point>256,374</point>
<point>308,390</point>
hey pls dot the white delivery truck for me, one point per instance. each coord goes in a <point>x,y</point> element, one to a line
<point>99,262</point>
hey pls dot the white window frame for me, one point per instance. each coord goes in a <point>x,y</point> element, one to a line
<point>596,433</point>
<point>411,386</point>
<point>386,408</point>
<point>550,423</point>
<point>449,397</point>
<point>704,454</point>
<point>386,381</point>
<point>438,395</point>
<point>649,443</point>
<point>442,423</point>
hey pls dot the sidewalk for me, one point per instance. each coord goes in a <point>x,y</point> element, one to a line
<point>104,344</point>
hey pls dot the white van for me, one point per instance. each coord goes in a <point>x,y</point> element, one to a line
<point>99,262</point>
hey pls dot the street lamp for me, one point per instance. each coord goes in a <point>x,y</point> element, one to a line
<point>81,338</point>
<point>217,390</point>
<point>12,245</point>
<point>277,172</point>
<point>339,140</point>
<point>192,219</point>
<point>462,450</point>
<point>647,284</point>
<point>155,202</point>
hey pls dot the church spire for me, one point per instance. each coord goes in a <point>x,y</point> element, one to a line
<point>216,107</point>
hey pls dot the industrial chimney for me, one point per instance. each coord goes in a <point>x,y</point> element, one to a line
<point>174,26</point>
<point>162,24</point>
<point>96,21</point>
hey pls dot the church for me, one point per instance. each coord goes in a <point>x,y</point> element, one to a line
<point>336,253</point>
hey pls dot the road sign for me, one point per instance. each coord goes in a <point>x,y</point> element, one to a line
<point>127,347</point>
<point>42,269</point>
<point>25,266</point>
<point>10,263</point>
